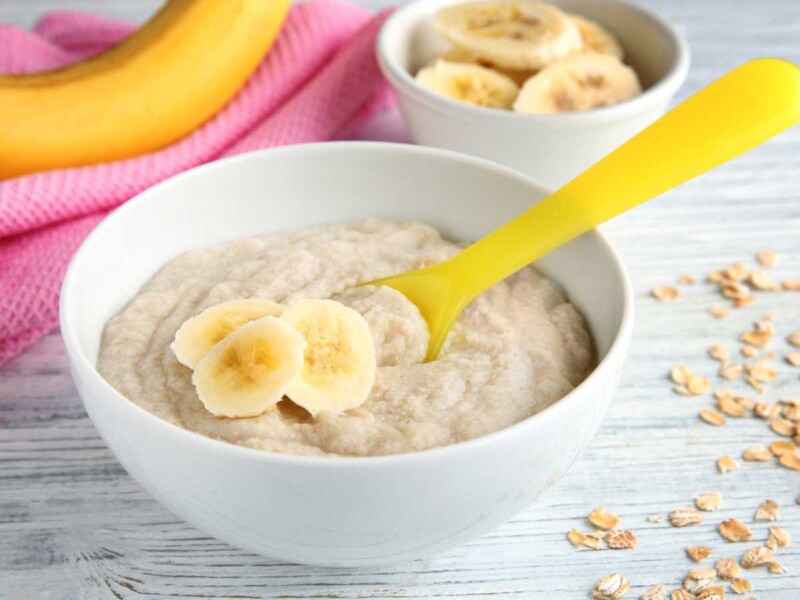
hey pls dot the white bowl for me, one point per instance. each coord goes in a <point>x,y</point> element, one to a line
<point>550,148</point>
<point>333,510</point>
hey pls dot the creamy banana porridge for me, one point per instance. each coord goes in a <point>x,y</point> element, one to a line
<point>515,350</point>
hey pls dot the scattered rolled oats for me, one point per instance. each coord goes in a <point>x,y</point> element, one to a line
<point>680,374</point>
<point>749,351</point>
<point>727,568</point>
<point>767,258</point>
<point>762,282</point>
<point>603,519</point>
<point>757,454</point>
<point>730,371</point>
<point>714,592</point>
<point>719,312</point>
<point>778,537</point>
<point>783,427</point>
<point>790,460</point>
<point>791,408</point>
<point>621,539</point>
<point>726,464</point>
<point>791,285</point>
<point>689,384</point>
<point>699,553</point>
<point>708,501</point>
<point>712,417</point>
<point>737,271</point>
<point>683,517</point>
<point>686,280</point>
<point>590,540</point>
<point>699,579</point>
<point>747,403</point>
<point>781,447</point>
<point>719,353</point>
<point>657,592</point>
<point>741,586</point>
<point>754,383</point>
<point>761,370</point>
<point>660,518</point>
<point>734,530</point>
<point>756,557</point>
<point>793,358</point>
<point>698,385</point>
<point>777,568</point>
<point>767,410</point>
<point>756,338</point>
<point>663,293</point>
<point>731,406</point>
<point>682,595</point>
<point>768,511</point>
<point>611,587</point>
<point>794,339</point>
<point>575,537</point>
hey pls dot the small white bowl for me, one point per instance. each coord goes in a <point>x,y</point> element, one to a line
<point>550,148</point>
<point>337,511</point>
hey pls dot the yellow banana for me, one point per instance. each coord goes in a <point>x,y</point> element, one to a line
<point>152,89</point>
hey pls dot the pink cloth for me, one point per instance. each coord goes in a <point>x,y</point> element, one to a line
<point>319,82</point>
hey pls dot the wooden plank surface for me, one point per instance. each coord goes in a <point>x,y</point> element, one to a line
<point>74,525</point>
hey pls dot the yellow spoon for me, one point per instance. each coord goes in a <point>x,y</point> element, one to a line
<point>737,112</point>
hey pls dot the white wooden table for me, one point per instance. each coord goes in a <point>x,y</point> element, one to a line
<point>74,525</point>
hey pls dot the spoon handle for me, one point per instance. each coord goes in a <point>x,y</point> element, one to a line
<point>735,113</point>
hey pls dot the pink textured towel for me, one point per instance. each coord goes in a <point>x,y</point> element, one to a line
<point>319,82</point>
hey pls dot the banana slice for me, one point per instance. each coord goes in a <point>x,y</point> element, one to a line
<point>596,38</point>
<point>469,83</point>
<point>249,371</point>
<point>513,35</point>
<point>339,359</point>
<point>579,82</point>
<point>459,55</point>
<point>197,335</point>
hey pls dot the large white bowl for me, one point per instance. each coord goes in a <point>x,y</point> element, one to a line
<point>550,148</point>
<point>337,511</point>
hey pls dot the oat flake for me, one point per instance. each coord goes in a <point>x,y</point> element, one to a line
<point>708,501</point>
<point>734,530</point>
<point>726,464</point>
<point>768,511</point>
<point>727,568</point>
<point>757,454</point>
<point>699,553</point>
<point>603,519</point>
<point>756,557</point>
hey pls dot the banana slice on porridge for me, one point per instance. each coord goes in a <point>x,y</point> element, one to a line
<point>339,359</point>
<point>250,370</point>
<point>200,333</point>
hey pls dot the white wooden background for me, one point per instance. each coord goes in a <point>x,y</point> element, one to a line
<point>74,525</point>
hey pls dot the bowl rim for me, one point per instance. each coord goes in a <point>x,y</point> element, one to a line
<point>79,360</point>
<point>403,82</point>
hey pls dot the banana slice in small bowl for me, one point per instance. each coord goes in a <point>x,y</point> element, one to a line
<point>521,40</point>
<point>579,82</point>
<point>470,83</point>
<point>513,35</point>
<point>596,38</point>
